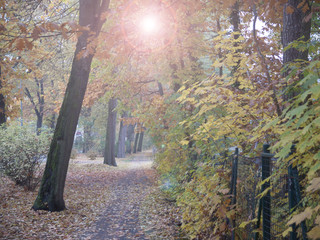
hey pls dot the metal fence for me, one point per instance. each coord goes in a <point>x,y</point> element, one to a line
<point>265,209</point>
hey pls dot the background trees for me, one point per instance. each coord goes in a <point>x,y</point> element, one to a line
<point>216,75</point>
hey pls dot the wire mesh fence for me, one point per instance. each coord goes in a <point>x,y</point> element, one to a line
<point>264,209</point>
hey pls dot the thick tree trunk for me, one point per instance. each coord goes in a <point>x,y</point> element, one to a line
<point>122,138</point>
<point>3,117</point>
<point>50,195</point>
<point>109,150</point>
<point>130,138</point>
<point>295,27</point>
<point>139,149</point>
<point>136,142</point>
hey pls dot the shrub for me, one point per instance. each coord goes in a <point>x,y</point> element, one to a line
<point>73,154</point>
<point>92,154</point>
<point>21,154</point>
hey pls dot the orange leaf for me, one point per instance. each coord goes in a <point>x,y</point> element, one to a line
<point>73,25</point>
<point>52,26</point>
<point>301,4</point>
<point>290,9</point>
<point>35,33</point>
<point>2,28</point>
<point>28,44</point>
<point>20,44</point>
<point>23,27</point>
<point>305,8</point>
<point>64,33</point>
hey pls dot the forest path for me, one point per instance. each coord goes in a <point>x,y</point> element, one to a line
<point>132,183</point>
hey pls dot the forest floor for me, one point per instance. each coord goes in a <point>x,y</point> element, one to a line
<point>102,202</point>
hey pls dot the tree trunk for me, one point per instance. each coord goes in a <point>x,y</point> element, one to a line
<point>295,27</point>
<point>3,118</point>
<point>52,121</point>
<point>136,142</point>
<point>139,149</point>
<point>130,138</point>
<point>109,150</point>
<point>39,123</point>
<point>87,138</point>
<point>37,109</point>
<point>50,195</point>
<point>87,130</point>
<point>160,88</point>
<point>122,138</point>
<point>41,101</point>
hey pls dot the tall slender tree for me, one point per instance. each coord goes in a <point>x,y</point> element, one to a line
<point>140,141</point>
<point>109,151</point>
<point>39,105</point>
<point>135,146</point>
<point>121,153</point>
<point>2,104</point>
<point>50,195</point>
<point>130,138</point>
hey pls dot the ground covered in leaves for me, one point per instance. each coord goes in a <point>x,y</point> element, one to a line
<point>103,203</point>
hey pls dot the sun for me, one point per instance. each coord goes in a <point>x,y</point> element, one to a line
<point>149,25</point>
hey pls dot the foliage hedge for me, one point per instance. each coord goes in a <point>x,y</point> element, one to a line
<point>21,153</point>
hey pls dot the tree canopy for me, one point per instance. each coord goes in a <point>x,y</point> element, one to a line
<point>200,78</point>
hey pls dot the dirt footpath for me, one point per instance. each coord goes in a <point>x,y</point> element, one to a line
<point>120,218</point>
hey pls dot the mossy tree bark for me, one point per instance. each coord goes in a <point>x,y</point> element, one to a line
<point>122,138</point>
<point>50,195</point>
<point>109,150</point>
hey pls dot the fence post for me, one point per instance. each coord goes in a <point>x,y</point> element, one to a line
<point>234,187</point>
<point>295,197</point>
<point>266,200</point>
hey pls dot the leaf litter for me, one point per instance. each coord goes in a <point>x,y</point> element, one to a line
<point>102,202</point>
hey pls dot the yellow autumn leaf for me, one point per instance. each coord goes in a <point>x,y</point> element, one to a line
<point>286,232</point>
<point>314,233</point>
<point>315,185</point>
<point>306,214</point>
<point>244,224</point>
<point>184,142</point>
